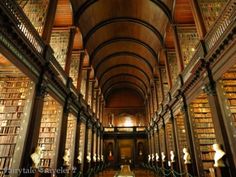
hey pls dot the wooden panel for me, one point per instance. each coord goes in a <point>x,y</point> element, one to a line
<point>63,13</point>
<point>183,13</point>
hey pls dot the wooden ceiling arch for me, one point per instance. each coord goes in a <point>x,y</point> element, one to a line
<point>121,80</point>
<point>123,54</point>
<point>123,39</point>
<point>122,20</point>
<point>122,68</point>
<point>123,77</point>
<point>87,3</point>
<point>124,85</point>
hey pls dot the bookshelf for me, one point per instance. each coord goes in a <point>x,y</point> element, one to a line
<point>181,134</point>
<point>90,89</point>
<point>162,141</point>
<point>16,93</point>
<point>173,65</point>
<point>227,90</point>
<point>89,145</point>
<point>70,137</point>
<point>204,131</point>
<point>156,138</point>
<point>164,80</point>
<point>36,11</point>
<point>94,145</point>
<point>99,148</point>
<point>210,10</point>
<point>74,67</point>
<point>59,43</point>
<point>49,131</point>
<point>169,137</point>
<point>188,39</point>
<point>81,143</point>
<point>83,82</point>
<point>159,93</point>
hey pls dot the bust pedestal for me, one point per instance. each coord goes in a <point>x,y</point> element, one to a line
<point>221,171</point>
<point>189,169</point>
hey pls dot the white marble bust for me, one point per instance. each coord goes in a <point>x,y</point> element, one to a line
<point>157,157</point>
<point>186,157</point>
<point>149,157</point>
<point>88,157</point>
<point>172,156</point>
<point>163,157</point>
<point>219,154</point>
<point>153,157</point>
<point>66,157</point>
<point>79,158</point>
<point>94,157</point>
<point>36,157</point>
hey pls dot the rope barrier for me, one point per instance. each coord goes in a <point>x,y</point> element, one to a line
<point>166,172</point>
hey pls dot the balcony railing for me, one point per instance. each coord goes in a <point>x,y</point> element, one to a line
<point>124,129</point>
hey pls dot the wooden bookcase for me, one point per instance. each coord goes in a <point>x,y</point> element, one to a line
<point>89,145</point>
<point>16,93</point>
<point>82,143</point>
<point>50,131</point>
<point>170,137</point>
<point>36,11</point>
<point>162,141</point>
<point>173,65</point>
<point>90,89</point>
<point>164,80</point>
<point>204,131</point>
<point>70,137</point>
<point>210,10</point>
<point>181,134</point>
<point>83,82</point>
<point>188,39</point>
<point>74,67</point>
<point>227,93</point>
<point>59,43</point>
<point>94,145</point>
<point>156,138</point>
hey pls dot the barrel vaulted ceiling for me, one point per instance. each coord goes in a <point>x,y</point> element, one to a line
<point>123,39</point>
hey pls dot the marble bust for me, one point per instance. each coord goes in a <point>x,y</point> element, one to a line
<point>88,157</point>
<point>66,157</point>
<point>79,158</point>
<point>149,157</point>
<point>157,157</point>
<point>153,157</point>
<point>186,157</point>
<point>36,157</point>
<point>219,154</point>
<point>163,157</point>
<point>172,156</point>
<point>94,157</point>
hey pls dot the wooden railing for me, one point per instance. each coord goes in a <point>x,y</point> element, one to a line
<point>23,24</point>
<point>227,18</point>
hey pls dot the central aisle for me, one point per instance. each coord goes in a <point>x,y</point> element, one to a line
<point>138,173</point>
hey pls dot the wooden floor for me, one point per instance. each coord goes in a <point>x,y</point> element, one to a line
<point>137,172</point>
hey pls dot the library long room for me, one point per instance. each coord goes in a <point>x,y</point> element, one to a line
<point>117,88</point>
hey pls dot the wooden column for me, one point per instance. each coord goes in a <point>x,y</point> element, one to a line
<point>165,163</point>
<point>81,60</point>
<point>96,107</point>
<point>47,29</point>
<point>98,104</point>
<point>178,49</point>
<point>159,148</point>
<point>218,120</point>
<point>86,165</point>
<point>201,29</point>
<point>69,51</point>
<point>167,66</point>
<point>32,136</point>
